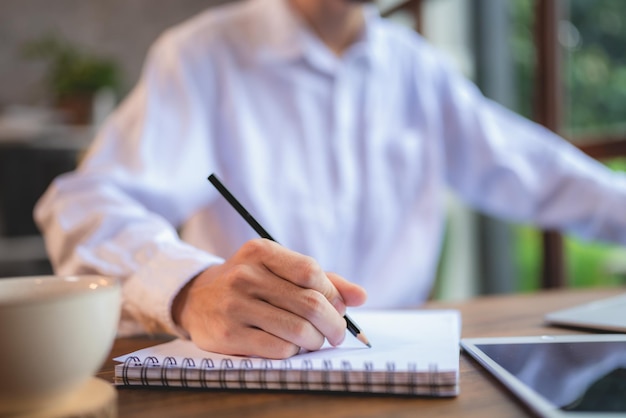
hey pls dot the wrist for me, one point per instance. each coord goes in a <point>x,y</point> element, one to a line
<point>179,303</point>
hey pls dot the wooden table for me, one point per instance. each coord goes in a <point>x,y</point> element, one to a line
<point>481,395</point>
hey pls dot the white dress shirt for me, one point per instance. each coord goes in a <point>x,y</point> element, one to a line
<point>343,158</point>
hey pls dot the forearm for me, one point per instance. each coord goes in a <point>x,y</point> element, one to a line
<point>512,168</point>
<point>92,227</point>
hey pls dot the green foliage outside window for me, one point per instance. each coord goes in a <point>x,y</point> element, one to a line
<point>593,38</point>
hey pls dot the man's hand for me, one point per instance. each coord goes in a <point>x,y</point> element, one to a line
<point>265,301</point>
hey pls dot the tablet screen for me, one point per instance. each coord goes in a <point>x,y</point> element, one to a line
<point>574,376</point>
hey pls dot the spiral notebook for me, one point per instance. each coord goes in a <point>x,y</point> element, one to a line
<point>413,353</point>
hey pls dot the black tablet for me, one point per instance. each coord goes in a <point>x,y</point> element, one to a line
<point>559,376</point>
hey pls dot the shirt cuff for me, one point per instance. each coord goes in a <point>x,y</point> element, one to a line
<point>149,293</point>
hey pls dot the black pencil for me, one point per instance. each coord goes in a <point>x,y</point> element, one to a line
<point>351,325</point>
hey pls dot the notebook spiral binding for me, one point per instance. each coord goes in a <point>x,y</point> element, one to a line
<point>243,370</point>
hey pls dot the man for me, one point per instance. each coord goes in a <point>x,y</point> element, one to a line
<point>340,133</point>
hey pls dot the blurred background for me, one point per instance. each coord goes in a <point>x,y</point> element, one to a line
<point>65,64</point>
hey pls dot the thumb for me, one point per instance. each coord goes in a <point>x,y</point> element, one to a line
<point>351,293</point>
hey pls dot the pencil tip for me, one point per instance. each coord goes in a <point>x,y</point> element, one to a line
<point>361,337</point>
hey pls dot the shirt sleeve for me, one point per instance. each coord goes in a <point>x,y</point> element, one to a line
<point>510,167</point>
<point>145,173</point>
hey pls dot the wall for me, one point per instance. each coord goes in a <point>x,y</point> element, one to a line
<point>123,29</point>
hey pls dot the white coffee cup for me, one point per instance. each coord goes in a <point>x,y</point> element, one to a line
<point>55,333</point>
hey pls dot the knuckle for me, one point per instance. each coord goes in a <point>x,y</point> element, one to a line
<point>253,247</point>
<point>239,276</point>
<point>306,335</point>
<point>313,303</point>
<point>222,332</point>
<point>300,330</point>
<point>316,343</point>
<point>285,350</point>
<point>230,304</point>
<point>224,304</point>
<point>309,271</point>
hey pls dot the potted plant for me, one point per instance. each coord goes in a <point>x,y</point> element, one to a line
<point>74,75</point>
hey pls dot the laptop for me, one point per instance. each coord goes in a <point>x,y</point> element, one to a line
<point>607,314</point>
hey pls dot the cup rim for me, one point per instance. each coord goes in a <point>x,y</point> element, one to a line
<point>41,287</point>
